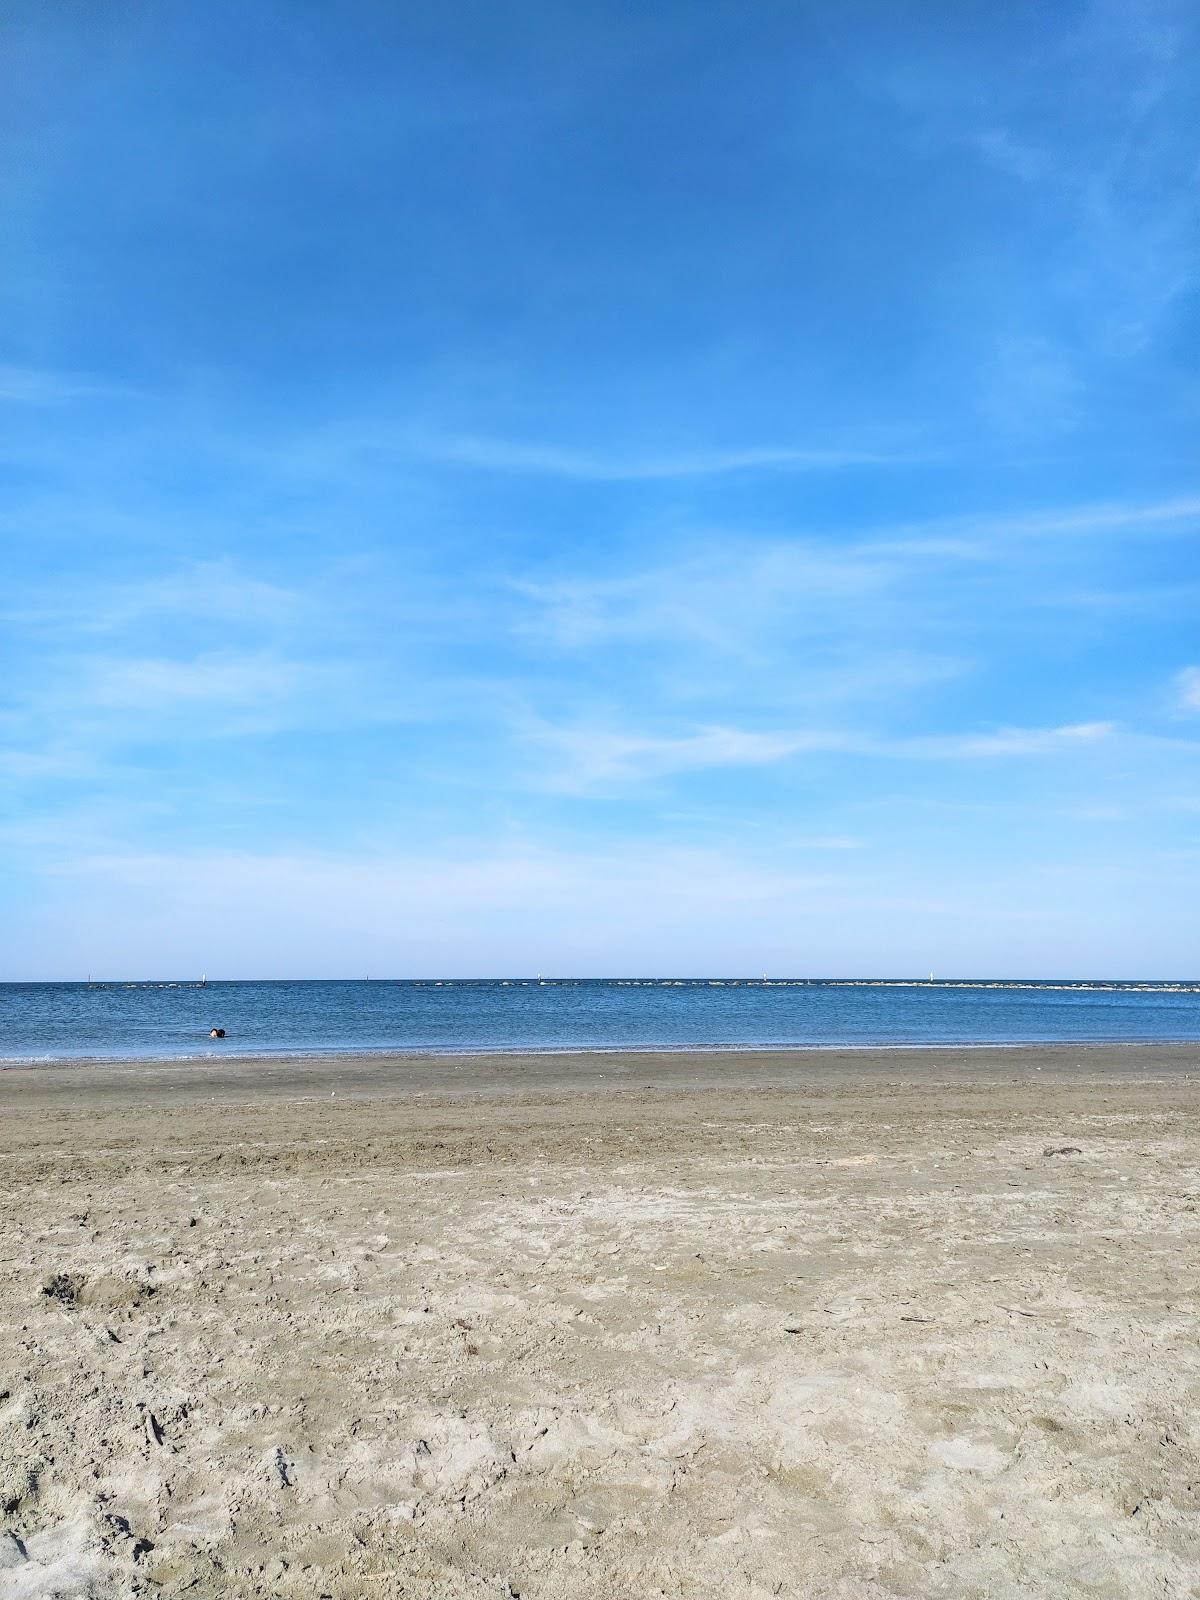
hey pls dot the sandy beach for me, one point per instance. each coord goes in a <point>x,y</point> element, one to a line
<point>855,1324</point>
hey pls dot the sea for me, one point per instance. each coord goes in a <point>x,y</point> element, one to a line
<point>152,1019</point>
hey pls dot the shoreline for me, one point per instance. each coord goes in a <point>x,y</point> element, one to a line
<point>398,1053</point>
<point>464,1073</point>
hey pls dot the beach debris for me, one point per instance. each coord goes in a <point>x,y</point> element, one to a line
<point>1062,1150</point>
<point>216,1033</point>
<point>116,1532</point>
<point>154,1433</point>
<point>63,1287</point>
<point>283,1467</point>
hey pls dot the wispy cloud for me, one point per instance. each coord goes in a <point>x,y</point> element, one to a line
<point>1032,382</point>
<point>850,617</point>
<point>1011,155</point>
<point>53,763</point>
<point>1187,689</point>
<point>1181,514</point>
<point>216,679</point>
<point>1009,741</point>
<point>516,456</point>
<point>584,760</point>
<point>718,596</point>
<point>207,593</point>
<point>35,386</point>
<point>92,706</point>
<point>1095,128</point>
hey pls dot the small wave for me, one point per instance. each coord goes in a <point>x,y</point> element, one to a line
<point>647,1047</point>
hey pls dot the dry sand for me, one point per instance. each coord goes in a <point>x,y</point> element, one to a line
<point>603,1327</point>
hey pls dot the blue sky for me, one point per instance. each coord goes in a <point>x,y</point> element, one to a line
<point>590,489</point>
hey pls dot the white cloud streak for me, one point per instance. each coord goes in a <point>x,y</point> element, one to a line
<point>33,386</point>
<point>1187,689</point>
<point>221,678</point>
<point>583,760</point>
<point>516,456</point>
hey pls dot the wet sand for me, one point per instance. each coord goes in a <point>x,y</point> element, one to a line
<point>855,1324</point>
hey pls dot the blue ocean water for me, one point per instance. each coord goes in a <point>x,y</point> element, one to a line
<point>54,1021</point>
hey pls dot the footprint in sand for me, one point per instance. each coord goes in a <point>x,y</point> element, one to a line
<point>968,1455</point>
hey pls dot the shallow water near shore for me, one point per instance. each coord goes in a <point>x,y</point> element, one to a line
<point>170,1019</point>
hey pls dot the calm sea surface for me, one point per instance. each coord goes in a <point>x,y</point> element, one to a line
<point>55,1021</point>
